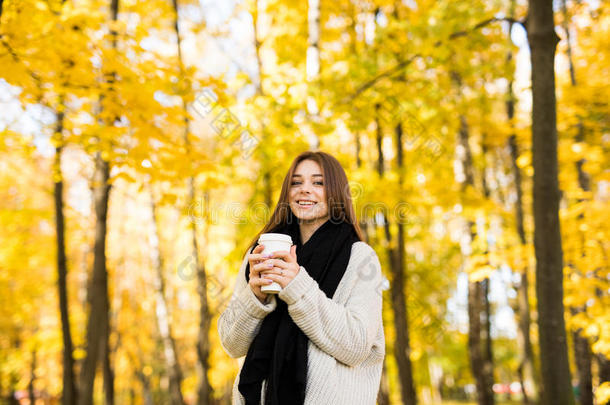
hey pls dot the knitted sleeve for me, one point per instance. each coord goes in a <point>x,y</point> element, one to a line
<point>241,320</point>
<point>344,331</point>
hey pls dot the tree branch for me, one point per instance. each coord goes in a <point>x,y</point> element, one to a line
<point>481,25</point>
<point>402,64</point>
<point>387,73</point>
<point>16,58</point>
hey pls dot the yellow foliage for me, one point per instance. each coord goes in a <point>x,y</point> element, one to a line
<point>140,108</point>
<point>602,393</point>
<point>480,273</point>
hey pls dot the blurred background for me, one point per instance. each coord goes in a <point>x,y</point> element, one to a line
<point>143,145</point>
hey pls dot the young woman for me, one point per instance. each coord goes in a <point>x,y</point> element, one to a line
<point>321,339</point>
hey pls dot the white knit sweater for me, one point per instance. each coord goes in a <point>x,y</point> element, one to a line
<point>346,339</point>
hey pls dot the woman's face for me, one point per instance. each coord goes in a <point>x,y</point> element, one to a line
<point>307,195</point>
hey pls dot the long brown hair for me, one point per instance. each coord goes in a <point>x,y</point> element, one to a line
<point>338,195</point>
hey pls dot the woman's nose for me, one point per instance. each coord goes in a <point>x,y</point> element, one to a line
<point>306,187</point>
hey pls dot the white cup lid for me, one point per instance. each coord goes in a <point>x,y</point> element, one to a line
<point>280,237</point>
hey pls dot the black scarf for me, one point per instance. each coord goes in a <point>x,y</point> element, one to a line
<point>278,353</point>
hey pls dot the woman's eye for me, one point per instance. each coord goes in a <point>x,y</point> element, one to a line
<point>294,183</point>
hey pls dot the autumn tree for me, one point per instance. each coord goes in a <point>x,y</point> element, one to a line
<point>555,368</point>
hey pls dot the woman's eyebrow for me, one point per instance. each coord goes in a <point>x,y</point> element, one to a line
<point>313,175</point>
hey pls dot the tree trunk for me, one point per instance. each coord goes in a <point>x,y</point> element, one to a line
<point>13,379</point>
<point>108,372</point>
<point>98,328</point>
<point>69,384</point>
<point>528,375</point>
<point>383,395</point>
<point>582,351</point>
<point>488,367</point>
<point>257,47</point>
<point>555,369</point>
<point>603,365</point>
<point>260,91</point>
<point>582,358</point>
<point>11,399</point>
<point>479,345</point>
<point>379,141</point>
<point>476,343</point>
<point>312,64</point>
<point>97,297</point>
<point>488,370</point>
<point>581,347</point>
<point>400,284</point>
<point>527,371</point>
<point>364,220</point>
<point>146,392</point>
<point>140,376</point>
<point>162,312</point>
<point>204,391</point>
<point>402,349</point>
<point>31,393</point>
<point>69,391</point>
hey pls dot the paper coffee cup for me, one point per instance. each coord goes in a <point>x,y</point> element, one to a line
<point>274,242</point>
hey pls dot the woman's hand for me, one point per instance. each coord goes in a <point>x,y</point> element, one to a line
<point>285,270</point>
<point>257,264</point>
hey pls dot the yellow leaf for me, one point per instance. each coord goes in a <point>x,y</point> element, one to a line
<point>79,354</point>
<point>524,160</point>
<point>481,273</point>
<point>602,393</point>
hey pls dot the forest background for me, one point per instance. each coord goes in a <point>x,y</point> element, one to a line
<point>143,145</point>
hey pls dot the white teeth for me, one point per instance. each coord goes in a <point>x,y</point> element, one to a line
<point>306,203</point>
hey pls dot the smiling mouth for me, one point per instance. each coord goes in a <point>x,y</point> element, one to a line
<point>306,203</point>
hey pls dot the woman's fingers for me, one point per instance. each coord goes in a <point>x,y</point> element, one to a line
<point>258,282</point>
<point>256,260</point>
<point>269,264</point>
<point>256,255</point>
<point>257,250</point>
<point>288,257</point>
<point>262,281</point>
<point>256,269</point>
